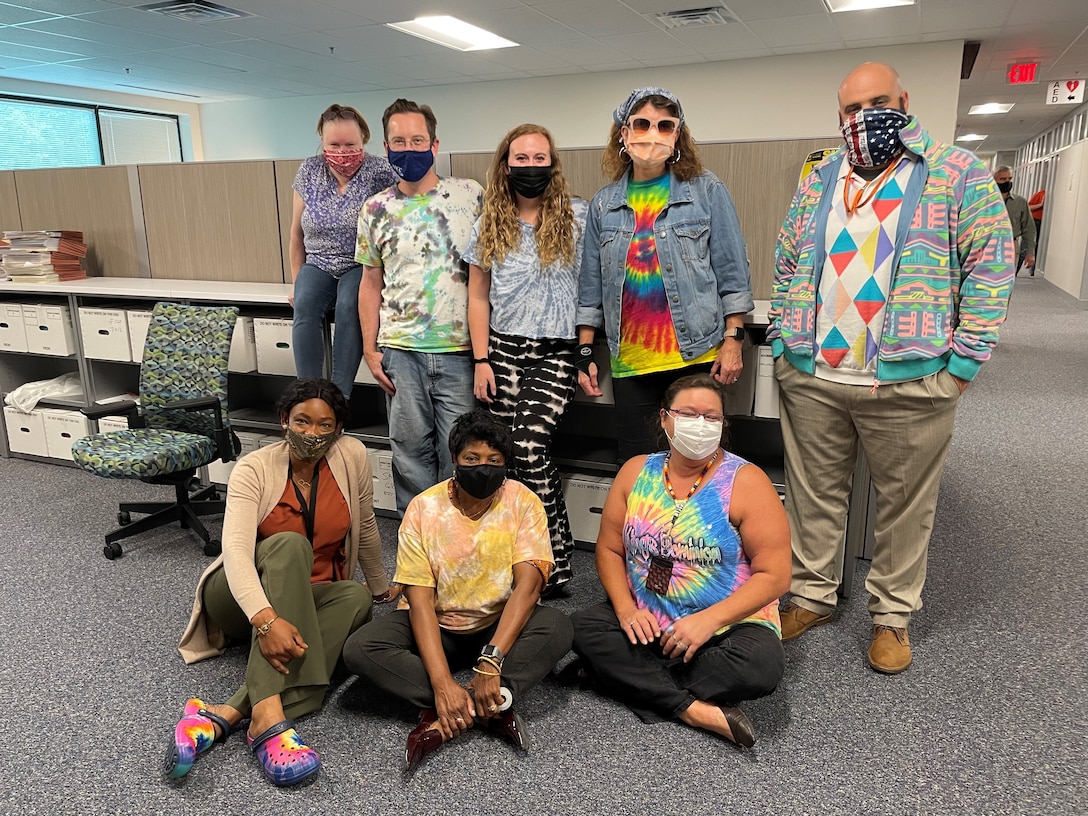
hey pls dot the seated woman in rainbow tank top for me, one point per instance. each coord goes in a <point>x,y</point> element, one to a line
<point>693,552</point>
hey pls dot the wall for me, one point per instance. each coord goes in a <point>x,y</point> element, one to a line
<point>786,97</point>
<point>1067,211</point>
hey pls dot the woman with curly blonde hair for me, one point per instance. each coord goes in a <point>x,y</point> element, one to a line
<point>665,270</point>
<point>524,258</point>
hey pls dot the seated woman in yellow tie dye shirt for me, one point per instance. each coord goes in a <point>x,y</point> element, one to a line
<point>473,555</point>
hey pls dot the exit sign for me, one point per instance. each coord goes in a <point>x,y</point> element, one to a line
<point>1021,73</point>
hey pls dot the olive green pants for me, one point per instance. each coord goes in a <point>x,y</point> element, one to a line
<point>324,614</point>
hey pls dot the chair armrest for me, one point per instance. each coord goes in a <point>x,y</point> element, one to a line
<point>227,445</point>
<point>124,408</point>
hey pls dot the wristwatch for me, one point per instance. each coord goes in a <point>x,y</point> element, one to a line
<point>737,333</point>
<point>492,652</point>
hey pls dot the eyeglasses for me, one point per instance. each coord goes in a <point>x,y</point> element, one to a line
<point>666,127</point>
<point>416,143</point>
<point>687,413</point>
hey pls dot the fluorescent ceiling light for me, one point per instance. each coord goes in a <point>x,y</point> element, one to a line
<point>990,107</point>
<point>972,137</point>
<point>862,5</point>
<point>452,33</point>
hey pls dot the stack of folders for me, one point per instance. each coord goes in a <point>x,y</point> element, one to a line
<point>42,256</point>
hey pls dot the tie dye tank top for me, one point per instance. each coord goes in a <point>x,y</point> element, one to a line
<point>677,569</point>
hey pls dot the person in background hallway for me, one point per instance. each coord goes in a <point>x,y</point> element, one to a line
<point>414,298</point>
<point>892,276</point>
<point>473,555</point>
<point>299,517</point>
<point>693,552</point>
<point>329,191</point>
<point>664,268</point>
<point>1035,206</point>
<point>524,257</point>
<point>1023,229</point>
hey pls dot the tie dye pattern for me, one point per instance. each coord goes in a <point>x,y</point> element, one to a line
<point>677,569</point>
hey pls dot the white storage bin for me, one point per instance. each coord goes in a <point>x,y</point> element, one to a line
<point>584,495</point>
<point>105,334</point>
<point>381,468</point>
<point>26,431</point>
<point>274,352</point>
<point>49,329</point>
<point>243,347</point>
<point>604,378</point>
<point>766,386</point>
<point>138,321</point>
<point>62,428</point>
<point>12,328</point>
<point>112,423</point>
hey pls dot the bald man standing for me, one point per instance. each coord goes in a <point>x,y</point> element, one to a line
<point>893,273</point>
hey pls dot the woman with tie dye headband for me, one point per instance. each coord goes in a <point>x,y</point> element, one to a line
<point>664,268</point>
<point>693,553</point>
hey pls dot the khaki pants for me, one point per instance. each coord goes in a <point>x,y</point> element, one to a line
<point>905,430</point>
<point>324,614</point>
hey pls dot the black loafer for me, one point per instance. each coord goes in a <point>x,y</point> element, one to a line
<point>744,734</point>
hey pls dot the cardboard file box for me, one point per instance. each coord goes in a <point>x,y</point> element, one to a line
<point>105,334</point>
<point>584,495</point>
<point>138,321</point>
<point>26,431</point>
<point>62,428</point>
<point>766,399</point>
<point>12,329</point>
<point>112,423</point>
<point>604,378</point>
<point>219,471</point>
<point>381,467</point>
<point>275,354</point>
<point>243,347</point>
<point>49,330</point>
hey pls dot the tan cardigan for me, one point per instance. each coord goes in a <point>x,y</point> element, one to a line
<point>256,485</point>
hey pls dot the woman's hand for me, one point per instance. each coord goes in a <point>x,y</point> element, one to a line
<point>484,382</point>
<point>686,636</point>
<point>589,382</point>
<point>640,626</point>
<point>390,594</point>
<point>282,644</point>
<point>728,365</point>
<point>455,709</point>
<point>485,690</point>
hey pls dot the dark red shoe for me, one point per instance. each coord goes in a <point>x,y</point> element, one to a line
<point>509,726</point>
<point>423,741</point>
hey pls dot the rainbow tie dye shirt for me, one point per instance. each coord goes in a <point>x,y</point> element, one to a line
<point>675,569</point>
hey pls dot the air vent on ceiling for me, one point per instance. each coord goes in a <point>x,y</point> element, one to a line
<point>195,11</point>
<point>714,15</point>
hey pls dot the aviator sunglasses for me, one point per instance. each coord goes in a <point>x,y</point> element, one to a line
<point>666,127</point>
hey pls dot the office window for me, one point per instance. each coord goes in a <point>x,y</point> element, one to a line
<point>36,134</point>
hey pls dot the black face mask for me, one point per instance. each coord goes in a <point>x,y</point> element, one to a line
<point>1005,187</point>
<point>530,182</point>
<point>480,481</point>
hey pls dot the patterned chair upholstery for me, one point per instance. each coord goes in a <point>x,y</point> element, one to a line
<point>179,425</point>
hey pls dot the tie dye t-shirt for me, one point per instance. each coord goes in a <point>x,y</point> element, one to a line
<point>418,241</point>
<point>647,336</point>
<point>471,563</point>
<point>677,569</point>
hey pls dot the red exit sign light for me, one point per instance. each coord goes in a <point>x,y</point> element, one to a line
<point>1021,73</point>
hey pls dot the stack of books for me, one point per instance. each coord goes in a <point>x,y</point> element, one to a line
<point>42,256</point>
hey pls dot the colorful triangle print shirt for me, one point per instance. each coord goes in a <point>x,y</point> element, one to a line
<point>647,336</point>
<point>677,568</point>
<point>853,293</point>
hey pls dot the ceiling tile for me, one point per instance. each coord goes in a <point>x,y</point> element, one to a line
<point>10,15</point>
<point>529,27</point>
<point>524,58</point>
<point>310,15</point>
<point>804,31</point>
<point>718,38</point>
<point>35,54</point>
<point>584,51</point>
<point>878,23</point>
<point>148,22</point>
<point>773,9</point>
<point>970,17</point>
<point>63,8</point>
<point>379,41</point>
<point>1072,11</point>
<point>594,19</point>
<point>83,29</point>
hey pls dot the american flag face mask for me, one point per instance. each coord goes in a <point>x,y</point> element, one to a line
<point>872,136</point>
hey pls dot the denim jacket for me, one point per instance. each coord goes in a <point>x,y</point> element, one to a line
<point>701,252</point>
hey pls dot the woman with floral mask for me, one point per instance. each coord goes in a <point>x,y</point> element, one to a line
<point>473,555</point>
<point>299,517</point>
<point>693,553</point>
<point>524,256</point>
<point>664,268</point>
<point>330,189</point>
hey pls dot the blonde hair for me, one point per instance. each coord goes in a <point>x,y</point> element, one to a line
<point>615,161</point>
<point>500,231</point>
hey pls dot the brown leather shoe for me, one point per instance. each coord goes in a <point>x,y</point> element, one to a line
<point>509,726</point>
<point>423,741</point>
<point>890,649</point>
<point>796,620</point>
<point>740,726</point>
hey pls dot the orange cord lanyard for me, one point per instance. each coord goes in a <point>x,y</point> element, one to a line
<point>860,197</point>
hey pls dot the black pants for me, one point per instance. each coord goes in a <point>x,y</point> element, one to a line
<point>385,653</point>
<point>742,664</point>
<point>638,400</point>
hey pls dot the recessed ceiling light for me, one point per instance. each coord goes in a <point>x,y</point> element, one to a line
<point>971,137</point>
<point>452,33</point>
<point>990,107</point>
<point>862,5</point>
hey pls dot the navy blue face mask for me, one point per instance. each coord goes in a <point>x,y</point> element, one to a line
<point>411,165</point>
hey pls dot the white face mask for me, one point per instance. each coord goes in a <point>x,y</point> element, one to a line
<point>695,437</point>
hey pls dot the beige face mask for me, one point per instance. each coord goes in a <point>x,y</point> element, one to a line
<point>648,149</point>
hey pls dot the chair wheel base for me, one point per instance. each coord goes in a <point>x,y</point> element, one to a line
<point>124,518</point>
<point>213,548</point>
<point>112,550</point>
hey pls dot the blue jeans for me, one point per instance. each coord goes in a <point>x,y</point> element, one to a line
<point>315,291</point>
<point>432,391</point>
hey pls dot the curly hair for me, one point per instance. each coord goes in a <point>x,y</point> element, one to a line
<point>480,425</point>
<point>312,388</point>
<point>499,229</point>
<point>615,160</point>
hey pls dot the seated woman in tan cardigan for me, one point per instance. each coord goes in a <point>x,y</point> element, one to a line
<point>299,516</point>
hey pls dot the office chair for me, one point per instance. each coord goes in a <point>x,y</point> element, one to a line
<point>179,425</point>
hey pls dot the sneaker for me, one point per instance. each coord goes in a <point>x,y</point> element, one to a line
<point>796,620</point>
<point>890,650</point>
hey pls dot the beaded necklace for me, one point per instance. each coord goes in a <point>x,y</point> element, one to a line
<point>680,505</point>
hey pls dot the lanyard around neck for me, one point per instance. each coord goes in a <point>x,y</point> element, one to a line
<point>309,510</point>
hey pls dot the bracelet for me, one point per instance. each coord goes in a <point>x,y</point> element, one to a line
<point>479,360</point>
<point>496,664</point>
<point>264,628</point>
<point>486,674</point>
